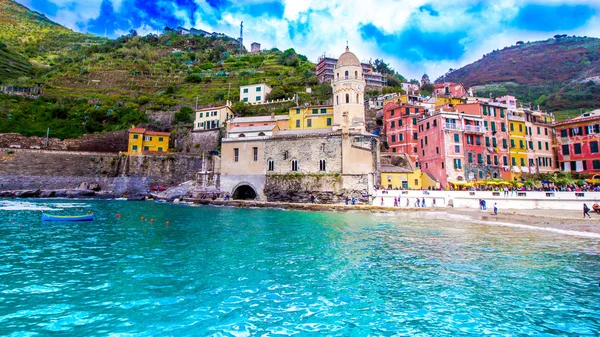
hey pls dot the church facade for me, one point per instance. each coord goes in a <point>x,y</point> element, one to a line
<point>292,165</point>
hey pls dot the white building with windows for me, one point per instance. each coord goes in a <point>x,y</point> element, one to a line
<point>213,118</point>
<point>255,93</point>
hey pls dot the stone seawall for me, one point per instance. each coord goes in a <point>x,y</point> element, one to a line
<point>40,169</point>
<point>326,188</point>
<point>117,185</point>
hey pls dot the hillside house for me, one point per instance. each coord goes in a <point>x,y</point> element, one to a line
<point>254,93</point>
<point>213,117</point>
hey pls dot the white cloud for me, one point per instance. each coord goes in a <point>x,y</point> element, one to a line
<point>331,22</point>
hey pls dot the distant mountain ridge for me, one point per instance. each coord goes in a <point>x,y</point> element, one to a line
<point>560,73</point>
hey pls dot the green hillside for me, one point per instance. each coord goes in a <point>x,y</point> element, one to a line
<point>31,44</point>
<point>12,65</point>
<point>92,84</point>
<point>561,74</point>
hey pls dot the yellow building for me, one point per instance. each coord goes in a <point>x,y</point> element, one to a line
<point>398,172</point>
<point>518,143</point>
<point>448,100</point>
<point>142,141</point>
<point>397,99</point>
<point>311,117</point>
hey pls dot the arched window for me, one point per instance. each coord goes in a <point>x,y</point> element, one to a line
<point>337,99</point>
<point>357,100</point>
<point>356,74</point>
<point>261,133</point>
<point>241,135</point>
<point>271,165</point>
<point>347,98</point>
<point>294,165</point>
<point>322,164</point>
<point>346,73</point>
<point>338,76</point>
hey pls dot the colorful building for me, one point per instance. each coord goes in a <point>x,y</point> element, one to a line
<point>400,128</point>
<point>495,153</point>
<point>519,144</point>
<point>542,150</point>
<point>441,147</point>
<point>577,143</point>
<point>213,118</point>
<point>142,141</point>
<point>405,176</point>
<point>449,89</point>
<point>311,117</point>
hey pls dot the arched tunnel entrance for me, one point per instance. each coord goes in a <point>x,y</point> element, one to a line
<point>244,192</point>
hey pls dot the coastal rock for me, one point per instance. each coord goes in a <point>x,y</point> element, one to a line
<point>28,194</point>
<point>60,193</point>
<point>94,187</point>
<point>80,193</point>
<point>106,195</point>
<point>48,194</point>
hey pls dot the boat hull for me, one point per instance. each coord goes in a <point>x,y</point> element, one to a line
<point>48,217</point>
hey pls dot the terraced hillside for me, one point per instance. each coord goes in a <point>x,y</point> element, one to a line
<point>559,74</point>
<point>12,65</point>
<point>34,44</point>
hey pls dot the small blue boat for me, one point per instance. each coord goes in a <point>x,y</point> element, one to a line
<point>49,217</point>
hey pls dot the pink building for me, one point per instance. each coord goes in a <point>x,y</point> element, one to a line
<point>541,152</point>
<point>441,147</point>
<point>491,158</point>
<point>449,89</point>
<point>400,128</point>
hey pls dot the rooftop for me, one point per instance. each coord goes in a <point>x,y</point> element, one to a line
<point>587,116</point>
<point>256,128</point>
<point>257,119</point>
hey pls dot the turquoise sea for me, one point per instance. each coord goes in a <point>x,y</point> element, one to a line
<point>243,272</point>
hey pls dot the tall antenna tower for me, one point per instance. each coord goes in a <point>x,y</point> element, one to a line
<point>241,36</point>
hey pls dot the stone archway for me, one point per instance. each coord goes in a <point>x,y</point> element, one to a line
<point>244,192</point>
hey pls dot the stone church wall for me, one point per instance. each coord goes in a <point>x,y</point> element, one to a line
<point>308,152</point>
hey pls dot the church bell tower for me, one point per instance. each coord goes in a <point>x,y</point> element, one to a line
<point>348,94</point>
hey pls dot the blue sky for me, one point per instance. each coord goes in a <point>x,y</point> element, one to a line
<point>414,36</point>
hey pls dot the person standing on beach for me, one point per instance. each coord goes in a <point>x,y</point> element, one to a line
<point>423,202</point>
<point>395,202</point>
<point>495,208</point>
<point>407,202</point>
<point>433,203</point>
<point>347,200</point>
<point>381,201</point>
<point>483,204</point>
<point>586,211</point>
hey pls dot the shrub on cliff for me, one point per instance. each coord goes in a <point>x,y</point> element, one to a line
<point>184,115</point>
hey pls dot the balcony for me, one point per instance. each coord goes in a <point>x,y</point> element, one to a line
<point>516,118</point>
<point>453,127</point>
<point>475,129</point>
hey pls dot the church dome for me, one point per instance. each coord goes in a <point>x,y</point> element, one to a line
<point>347,59</point>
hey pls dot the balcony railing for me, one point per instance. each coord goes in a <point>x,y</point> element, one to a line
<point>516,118</point>
<point>453,126</point>
<point>475,129</point>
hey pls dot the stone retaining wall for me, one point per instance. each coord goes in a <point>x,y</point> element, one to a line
<point>41,169</point>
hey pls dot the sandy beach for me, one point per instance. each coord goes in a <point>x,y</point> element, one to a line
<point>547,218</point>
<point>554,219</point>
